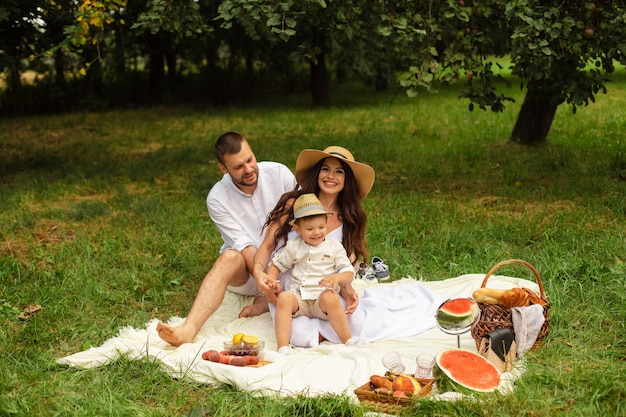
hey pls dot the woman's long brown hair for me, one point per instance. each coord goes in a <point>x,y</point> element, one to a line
<point>350,212</point>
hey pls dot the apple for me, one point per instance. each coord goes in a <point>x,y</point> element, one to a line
<point>402,383</point>
<point>588,32</point>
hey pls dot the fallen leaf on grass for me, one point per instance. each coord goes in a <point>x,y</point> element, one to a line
<point>29,311</point>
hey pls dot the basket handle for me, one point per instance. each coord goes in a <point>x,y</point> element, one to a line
<point>519,262</point>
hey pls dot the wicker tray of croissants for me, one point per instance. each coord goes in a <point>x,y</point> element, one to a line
<point>495,304</point>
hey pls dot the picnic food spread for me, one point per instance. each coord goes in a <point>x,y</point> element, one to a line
<point>241,351</point>
<point>398,385</point>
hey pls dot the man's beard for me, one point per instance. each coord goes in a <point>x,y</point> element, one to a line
<point>242,182</point>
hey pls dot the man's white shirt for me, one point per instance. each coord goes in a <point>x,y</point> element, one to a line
<point>239,217</point>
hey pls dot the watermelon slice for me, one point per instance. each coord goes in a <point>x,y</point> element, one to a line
<point>457,313</point>
<point>464,371</point>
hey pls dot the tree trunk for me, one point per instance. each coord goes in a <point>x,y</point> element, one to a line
<point>172,71</point>
<point>59,69</point>
<point>15,101</point>
<point>536,115</point>
<point>319,72</point>
<point>93,78</point>
<point>382,82</point>
<point>156,65</point>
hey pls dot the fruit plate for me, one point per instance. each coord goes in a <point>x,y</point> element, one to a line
<point>242,349</point>
<point>387,402</point>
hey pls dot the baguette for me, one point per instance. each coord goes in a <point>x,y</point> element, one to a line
<point>487,295</point>
<point>380,382</point>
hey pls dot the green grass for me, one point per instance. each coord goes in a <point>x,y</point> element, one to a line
<point>103,223</point>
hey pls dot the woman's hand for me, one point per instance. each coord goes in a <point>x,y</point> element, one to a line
<point>351,297</point>
<point>265,283</point>
<point>267,286</point>
<point>343,281</point>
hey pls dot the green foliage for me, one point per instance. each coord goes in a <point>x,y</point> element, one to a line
<point>90,20</point>
<point>181,19</point>
<point>569,46</point>
<point>344,24</point>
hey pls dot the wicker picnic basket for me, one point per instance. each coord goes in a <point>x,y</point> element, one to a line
<point>494,316</point>
<point>386,403</point>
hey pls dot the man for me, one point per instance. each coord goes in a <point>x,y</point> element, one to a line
<point>238,205</point>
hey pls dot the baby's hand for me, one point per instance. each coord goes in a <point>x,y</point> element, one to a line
<point>273,290</point>
<point>330,282</point>
<point>273,286</point>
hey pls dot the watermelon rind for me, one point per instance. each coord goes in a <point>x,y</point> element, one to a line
<point>451,320</point>
<point>480,375</point>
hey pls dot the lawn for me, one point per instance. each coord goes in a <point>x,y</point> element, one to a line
<point>103,223</point>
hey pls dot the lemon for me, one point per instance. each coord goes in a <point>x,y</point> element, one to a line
<point>250,340</point>
<point>237,338</point>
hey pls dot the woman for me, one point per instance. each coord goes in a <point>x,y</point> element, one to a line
<point>340,182</point>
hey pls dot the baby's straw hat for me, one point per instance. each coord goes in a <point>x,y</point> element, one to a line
<point>307,205</point>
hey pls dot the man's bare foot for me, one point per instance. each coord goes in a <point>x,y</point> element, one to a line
<point>251,311</point>
<point>175,336</point>
<point>258,307</point>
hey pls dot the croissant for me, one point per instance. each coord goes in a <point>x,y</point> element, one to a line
<point>515,297</point>
<point>533,298</point>
<point>519,297</point>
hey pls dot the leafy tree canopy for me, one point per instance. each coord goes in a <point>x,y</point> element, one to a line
<point>561,50</point>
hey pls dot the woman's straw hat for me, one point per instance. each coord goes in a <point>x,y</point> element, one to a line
<point>363,173</point>
<point>307,205</point>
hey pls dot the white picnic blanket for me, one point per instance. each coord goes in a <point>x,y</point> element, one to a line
<point>327,368</point>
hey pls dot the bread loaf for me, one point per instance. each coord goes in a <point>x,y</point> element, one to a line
<point>515,297</point>
<point>487,295</point>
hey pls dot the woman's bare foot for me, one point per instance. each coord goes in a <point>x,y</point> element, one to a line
<point>175,336</point>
